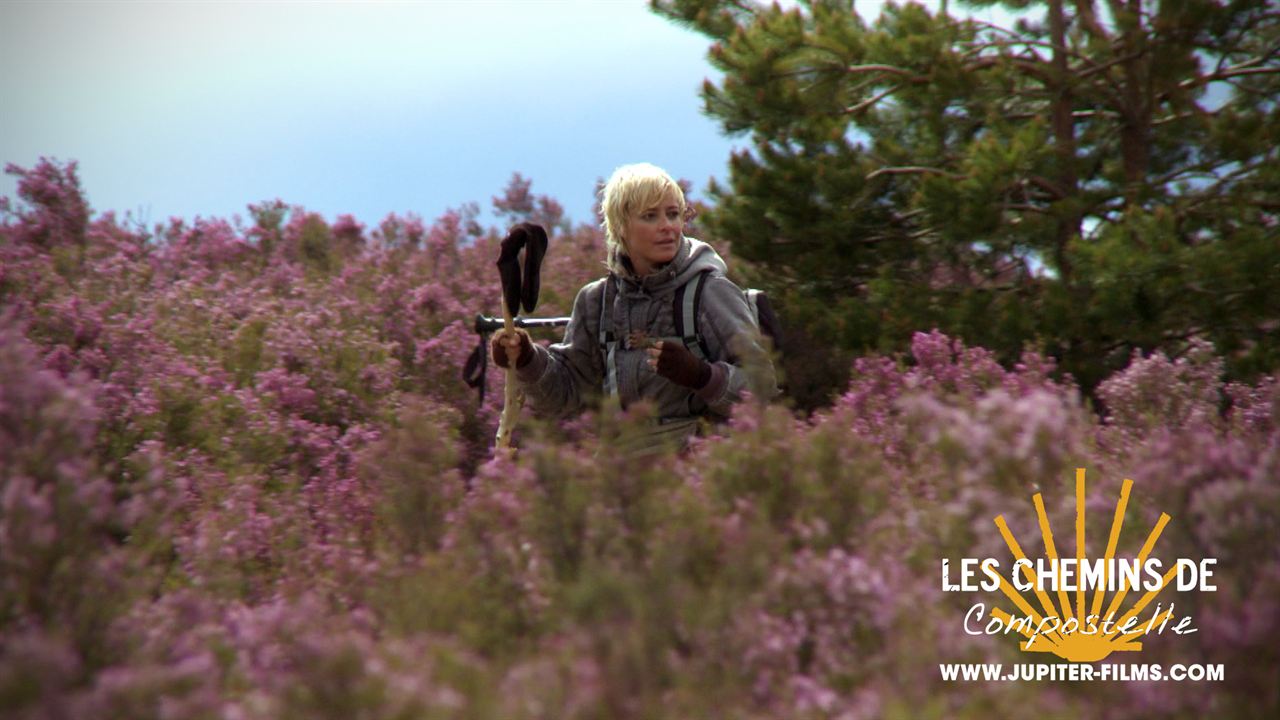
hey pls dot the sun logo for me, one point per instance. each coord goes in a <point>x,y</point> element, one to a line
<point>1083,634</point>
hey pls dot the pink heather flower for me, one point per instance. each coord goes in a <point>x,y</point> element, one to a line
<point>57,213</point>
<point>289,390</point>
<point>395,231</point>
<point>45,666</point>
<point>348,229</point>
<point>1255,408</point>
<point>1156,391</point>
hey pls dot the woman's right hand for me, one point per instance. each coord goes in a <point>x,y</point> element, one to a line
<point>507,344</point>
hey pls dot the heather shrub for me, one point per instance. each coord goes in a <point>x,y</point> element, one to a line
<point>56,507</point>
<point>414,467</point>
<point>1155,392</point>
<point>57,212</point>
<point>240,477</point>
<point>39,673</point>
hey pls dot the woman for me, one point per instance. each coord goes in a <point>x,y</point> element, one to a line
<point>628,335</point>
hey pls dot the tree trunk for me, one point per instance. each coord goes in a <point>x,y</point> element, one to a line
<point>1135,128</point>
<point>1064,140</point>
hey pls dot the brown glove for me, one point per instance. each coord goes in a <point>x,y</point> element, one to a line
<point>674,362</point>
<point>503,340</point>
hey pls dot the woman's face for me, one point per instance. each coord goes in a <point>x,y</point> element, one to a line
<point>653,234</point>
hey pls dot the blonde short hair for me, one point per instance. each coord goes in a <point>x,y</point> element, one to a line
<point>632,188</point>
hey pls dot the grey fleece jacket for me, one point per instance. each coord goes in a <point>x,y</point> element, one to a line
<point>561,379</point>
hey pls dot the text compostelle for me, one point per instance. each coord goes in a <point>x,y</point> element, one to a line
<point>1070,574</point>
<point>1034,627</point>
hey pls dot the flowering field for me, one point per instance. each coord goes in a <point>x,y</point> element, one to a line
<point>241,478</point>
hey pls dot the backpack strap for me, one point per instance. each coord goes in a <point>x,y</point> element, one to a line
<point>767,319</point>
<point>687,301</point>
<point>608,339</point>
<point>684,306</point>
<point>753,301</point>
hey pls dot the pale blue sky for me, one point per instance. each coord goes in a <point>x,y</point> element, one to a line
<point>199,108</point>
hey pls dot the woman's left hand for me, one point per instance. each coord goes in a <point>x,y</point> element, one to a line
<point>674,362</point>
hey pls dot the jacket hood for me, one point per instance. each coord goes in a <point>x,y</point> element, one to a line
<point>693,257</point>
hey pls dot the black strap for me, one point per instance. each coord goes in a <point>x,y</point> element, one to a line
<point>606,310</point>
<point>607,339</point>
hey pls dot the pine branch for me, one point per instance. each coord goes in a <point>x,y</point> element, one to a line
<point>1109,64</point>
<point>1024,207</point>
<point>983,24</point>
<point>1234,71</point>
<point>1078,115</point>
<point>855,109</point>
<point>1214,192</point>
<point>890,69</point>
<point>1206,171</point>
<point>1049,186</point>
<point>913,170</point>
<point>979,47</point>
<point>1183,116</point>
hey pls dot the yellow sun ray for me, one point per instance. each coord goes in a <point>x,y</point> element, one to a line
<point>1026,609</point>
<point>1051,552</point>
<point>1146,600</point>
<point>1080,507</point>
<point>1142,559</point>
<point>1112,541</point>
<point>1018,554</point>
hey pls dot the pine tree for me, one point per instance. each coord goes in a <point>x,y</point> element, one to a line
<point>1097,178</point>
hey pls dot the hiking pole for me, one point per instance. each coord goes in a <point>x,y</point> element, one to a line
<point>519,287</point>
<point>477,365</point>
<point>486,324</point>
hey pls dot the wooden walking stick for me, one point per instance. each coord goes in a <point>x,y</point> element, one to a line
<point>518,288</point>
